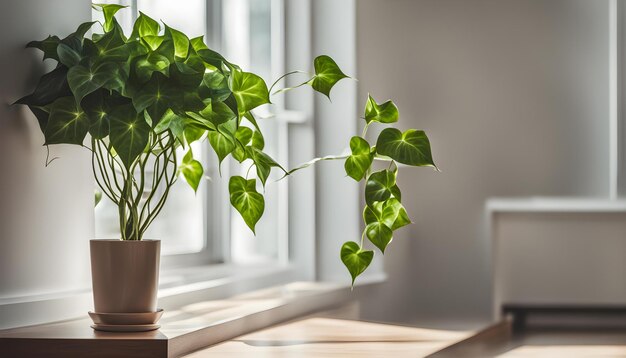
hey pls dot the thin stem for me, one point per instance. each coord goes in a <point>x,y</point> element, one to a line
<point>283,76</point>
<point>365,129</point>
<point>362,237</point>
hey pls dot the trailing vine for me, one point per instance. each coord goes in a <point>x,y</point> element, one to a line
<point>140,99</point>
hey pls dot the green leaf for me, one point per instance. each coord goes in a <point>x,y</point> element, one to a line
<point>97,112</point>
<point>192,170</point>
<point>185,77</point>
<point>411,147</point>
<point>249,90</point>
<point>383,113</point>
<point>180,41</point>
<point>154,42</point>
<point>223,144</point>
<point>258,141</point>
<point>51,86</point>
<point>193,133</point>
<point>394,215</point>
<point>359,162</point>
<point>173,122</point>
<point>67,55</point>
<point>75,39</point>
<point>395,192</point>
<point>157,96</point>
<point>263,163</point>
<point>83,80</point>
<point>246,200</point>
<point>197,43</point>
<point>379,234</point>
<point>129,133</point>
<point>109,11</point>
<point>327,74</point>
<point>213,58</point>
<point>215,86</point>
<point>244,135</point>
<point>145,66</point>
<point>41,115</point>
<point>112,46</point>
<point>372,213</point>
<point>217,113</point>
<point>378,186</point>
<point>355,259</point>
<point>67,123</point>
<point>145,26</point>
<point>48,46</point>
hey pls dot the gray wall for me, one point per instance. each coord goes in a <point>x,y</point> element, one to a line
<point>514,96</point>
<point>46,213</point>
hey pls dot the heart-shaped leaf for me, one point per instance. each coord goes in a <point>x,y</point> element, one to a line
<point>109,11</point>
<point>394,215</point>
<point>359,162</point>
<point>379,234</point>
<point>223,143</point>
<point>129,133</point>
<point>145,26</point>
<point>355,259</point>
<point>383,113</point>
<point>51,86</point>
<point>83,80</point>
<point>246,200</point>
<point>67,123</point>
<point>249,90</point>
<point>48,46</point>
<point>157,96</point>
<point>263,163</point>
<point>192,170</point>
<point>180,41</point>
<point>411,147</point>
<point>327,74</point>
<point>378,186</point>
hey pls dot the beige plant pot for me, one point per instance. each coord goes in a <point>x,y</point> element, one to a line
<point>125,275</point>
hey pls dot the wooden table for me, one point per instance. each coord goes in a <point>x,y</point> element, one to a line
<point>330,337</point>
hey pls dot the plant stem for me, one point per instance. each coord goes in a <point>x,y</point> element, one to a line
<point>283,76</point>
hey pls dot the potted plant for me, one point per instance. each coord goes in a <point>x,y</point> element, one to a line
<point>138,102</point>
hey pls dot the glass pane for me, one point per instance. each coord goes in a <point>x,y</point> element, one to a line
<point>247,42</point>
<point>187,16</point>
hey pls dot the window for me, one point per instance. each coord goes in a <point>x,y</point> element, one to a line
<point>202,227</point>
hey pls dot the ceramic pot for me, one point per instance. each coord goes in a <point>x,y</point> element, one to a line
<point>125,275</point>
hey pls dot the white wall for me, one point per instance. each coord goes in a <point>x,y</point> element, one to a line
<point>514,96</point>
<point>46,214</point>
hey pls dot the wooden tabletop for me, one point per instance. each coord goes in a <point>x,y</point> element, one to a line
<point>329,337</point>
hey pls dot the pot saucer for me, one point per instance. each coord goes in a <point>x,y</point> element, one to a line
<point>126,319</point>
<point>125,327</point>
